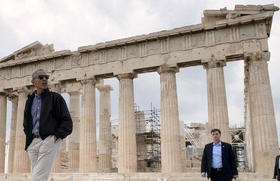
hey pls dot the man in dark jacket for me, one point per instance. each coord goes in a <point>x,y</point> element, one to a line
<point>218,160</point>
<point>46,122</point>
<point>277,168</point>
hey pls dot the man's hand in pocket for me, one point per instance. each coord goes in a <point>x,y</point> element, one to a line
<point>55,138</point>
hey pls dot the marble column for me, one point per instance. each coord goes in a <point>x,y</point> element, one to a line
<point>247,120</point>
<point>169,119</point>
<point>62,153</point>
<point>21,159</point>
<point>14,100</point>
<point>127,157</point>
<point>105,134</point>
<point>183,145</point>
<point>217,100</point>
<point>3,119</point>
<point>88,160</point>
<point>265,139</point>
<point>74,138</point>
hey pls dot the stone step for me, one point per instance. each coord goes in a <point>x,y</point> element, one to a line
<point>195,176</point>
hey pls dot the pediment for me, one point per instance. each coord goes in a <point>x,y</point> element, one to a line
<point>211,16</point>
<point>31,50</point>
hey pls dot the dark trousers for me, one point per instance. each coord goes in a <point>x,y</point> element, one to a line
<point>218,175</point>
<point>278,176</point>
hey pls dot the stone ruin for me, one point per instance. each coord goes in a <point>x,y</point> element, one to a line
<point>223,36</point>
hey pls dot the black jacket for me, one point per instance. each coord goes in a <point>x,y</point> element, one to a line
<point>276,169</point>
<point>228,160</point>
<point>54,118</point>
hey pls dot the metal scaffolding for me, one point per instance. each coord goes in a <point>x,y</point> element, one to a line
<point>239,147</point>
<point>148,139</point>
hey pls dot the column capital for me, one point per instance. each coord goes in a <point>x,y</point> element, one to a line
<point>99,82</point>
<point>55,87</point>
<point>214,64</point>
<point>71,86</point>
<point>166,69</point>
<point>257,56</point>
<point>127,76</point>
<point>74,92</point>
<point>88,81</point>
<point>23,90</point>
<point>105,88</point>
<point>13,98</point>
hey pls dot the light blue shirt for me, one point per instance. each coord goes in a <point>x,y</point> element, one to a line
<point>217,156</point>
<point>35,112</point>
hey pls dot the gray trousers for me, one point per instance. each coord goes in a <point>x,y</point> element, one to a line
<point>42,154</point>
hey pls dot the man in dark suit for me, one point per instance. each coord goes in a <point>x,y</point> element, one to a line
<point>277,168</point>
<point>218,160</point>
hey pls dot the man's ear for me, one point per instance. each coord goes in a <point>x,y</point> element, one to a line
<point>33,81</point>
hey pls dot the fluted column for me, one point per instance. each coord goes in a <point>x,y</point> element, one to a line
<point>105,135</point>
<point>248,121</point>
<point>265,139</point>
<point>74,138</point>
<point>62,153</point>
<point>127,157</point>
<point>14,100</point>
<point>183,145</point>
<point>3,119</point>
<point>21,159</point>
<point>217,100</point>
<point>169,121</point>
<point>88,127</point>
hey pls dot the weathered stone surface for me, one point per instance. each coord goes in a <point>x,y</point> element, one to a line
<point>169,121</point>
<point>105,134</point>
<point>21,160</point>
<point>193,176</point>
<point>14,100</point>
<point>265,139</point>
<point>58,163</point>
<point>248,121</point>
<point>74,138</point>
<point>127,158</point>
<point>217,100</point>
<point>3,117</point>
<point>88,147</point>
<point>34,49</point>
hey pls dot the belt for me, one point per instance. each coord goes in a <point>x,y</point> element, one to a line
<point>36,136</point>
<point>217,169</point>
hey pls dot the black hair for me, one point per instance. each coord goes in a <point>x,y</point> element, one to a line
<point>214,130</point>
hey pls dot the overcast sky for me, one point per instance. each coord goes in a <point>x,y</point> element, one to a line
<point>70,24</point>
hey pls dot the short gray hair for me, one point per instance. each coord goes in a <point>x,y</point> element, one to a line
<point>35,73</point>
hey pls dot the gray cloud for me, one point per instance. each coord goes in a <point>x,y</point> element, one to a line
<point>8,38</point>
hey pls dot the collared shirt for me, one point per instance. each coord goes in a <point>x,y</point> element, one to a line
<point>217,156</point>
<point>35,112</point>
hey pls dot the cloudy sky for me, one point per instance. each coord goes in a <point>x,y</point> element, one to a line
<point>69,24</point>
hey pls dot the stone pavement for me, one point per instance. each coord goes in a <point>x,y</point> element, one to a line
<point>195,176</point>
